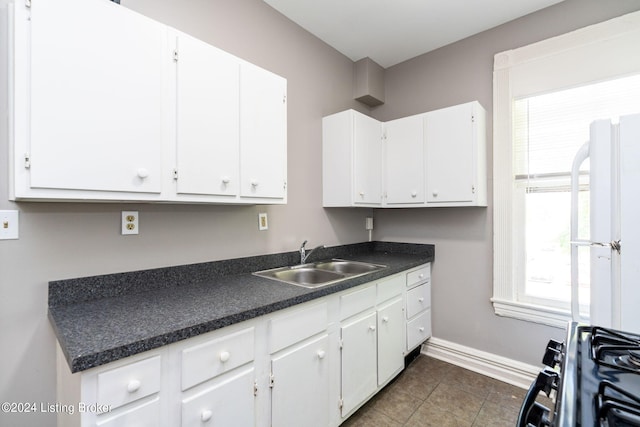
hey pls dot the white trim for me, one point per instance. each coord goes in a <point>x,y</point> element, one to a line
<point>500,368</point>
<point>595,53</point>
<point>546,315</point>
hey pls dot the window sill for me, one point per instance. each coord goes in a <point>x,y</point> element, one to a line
<point>557,318</point>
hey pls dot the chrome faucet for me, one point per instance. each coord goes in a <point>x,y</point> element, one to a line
<point>303,252</point>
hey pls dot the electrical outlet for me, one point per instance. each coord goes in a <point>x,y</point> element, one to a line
<point>263,223</point>
<point>130,222</point>
<point>9,225</point>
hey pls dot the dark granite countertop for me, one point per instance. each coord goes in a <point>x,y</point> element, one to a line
<point>101,319</point>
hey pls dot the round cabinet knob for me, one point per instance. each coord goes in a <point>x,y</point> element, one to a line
<point>224,356</point>
<point>421,329</point>
<point>372,327</point>
<point>385,319</point>
<point>435,193</point>
<point>321,354</point>
<point>361,194</point>
<point>206,415</point>
<point>414,194</point>
<point>420,299</point>
<point>143,173</point>
<point>421,276</point>
<point>226,180</point>
<point>133,386</point>
<point>254,183</point>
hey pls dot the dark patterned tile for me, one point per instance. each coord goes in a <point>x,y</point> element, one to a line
<point>435,393</point>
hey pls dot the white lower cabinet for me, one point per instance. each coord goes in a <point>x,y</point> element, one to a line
<point>359,361</point>
<point>300,388</point>
<point>228,402</point>
<point>390,340</point>
<point>313,364</point>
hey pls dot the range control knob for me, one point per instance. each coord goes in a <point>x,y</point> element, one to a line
<point>553,354</point>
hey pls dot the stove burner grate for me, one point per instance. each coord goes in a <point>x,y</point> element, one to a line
<point>617,407</point>
<point>623,350</point>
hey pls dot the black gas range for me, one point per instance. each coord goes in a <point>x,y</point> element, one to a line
<point>595,376</point>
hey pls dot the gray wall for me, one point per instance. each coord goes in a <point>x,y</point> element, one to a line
<point>59,240</point>
<point>463,270</point>
<point>65,240</point>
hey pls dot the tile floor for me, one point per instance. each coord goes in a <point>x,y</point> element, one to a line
<point>434,393</point>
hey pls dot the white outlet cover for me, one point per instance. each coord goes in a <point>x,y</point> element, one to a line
<point>263,222</point>
<point>130,222</point>
<point>9,225</point>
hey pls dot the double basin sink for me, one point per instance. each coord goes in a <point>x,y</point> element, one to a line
<point>320,274</point>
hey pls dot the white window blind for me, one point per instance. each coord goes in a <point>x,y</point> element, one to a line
<point>545,96</point>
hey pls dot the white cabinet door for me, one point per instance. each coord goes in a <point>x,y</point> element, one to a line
<point>367,163</point>
<point>300,393</point>
<point>404,160</point>
<point>359,379</point>
<point>207,119</point>
<point>454,159</point>
<point>263,133</point>
<point>227,403</point>
<point>390,340</point>
<point>94,124</point>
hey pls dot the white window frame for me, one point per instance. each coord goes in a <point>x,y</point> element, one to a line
<point>588,55</point>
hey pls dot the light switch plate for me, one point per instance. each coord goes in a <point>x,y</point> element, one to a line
<point>9,225</point>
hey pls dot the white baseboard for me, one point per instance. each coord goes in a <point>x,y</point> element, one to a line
<point>494,366</point>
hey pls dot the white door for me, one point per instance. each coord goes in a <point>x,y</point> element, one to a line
<point>208,119</point>
<point>227,403</point>
<point>263,133</point>
<point>404,160</point>
<point>602,191</point>
<point>390,340</point>
<point>96,97</point>
<point>300,392</point>
<point>449,154</point>
<point>629,293</point>
<point>367,179</point>
<point>359,373</point>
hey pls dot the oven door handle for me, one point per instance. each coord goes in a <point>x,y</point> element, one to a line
<point>531,412</point>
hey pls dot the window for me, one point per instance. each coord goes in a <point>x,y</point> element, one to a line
<point>545,97</point>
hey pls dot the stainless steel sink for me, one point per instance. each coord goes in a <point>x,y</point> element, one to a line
<point>320,274</point>
<point>306,276</point>
<point>348,267</point>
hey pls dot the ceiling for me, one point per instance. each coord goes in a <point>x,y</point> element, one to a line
<point>392,31</point>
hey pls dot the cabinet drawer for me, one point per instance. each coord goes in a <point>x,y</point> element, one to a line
<point>418,330</point>
<point>390,288</point>
<point>210,359</point>
<point>145,415</point>
<point>128,383</point>
<point>357,301</point>
<point>419,276</point>
<point>295,326</point>
<point>227,403</point>
<point>418,299</point>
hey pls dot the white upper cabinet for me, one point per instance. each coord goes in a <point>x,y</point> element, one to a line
<point>263,133</point>
<point>207,119</point>
<point>404,160</point>
<point>456,156</point>
<point>433,159</point>
<point>110,105</point>
<point>95,81</point>
<point>351,160</point>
